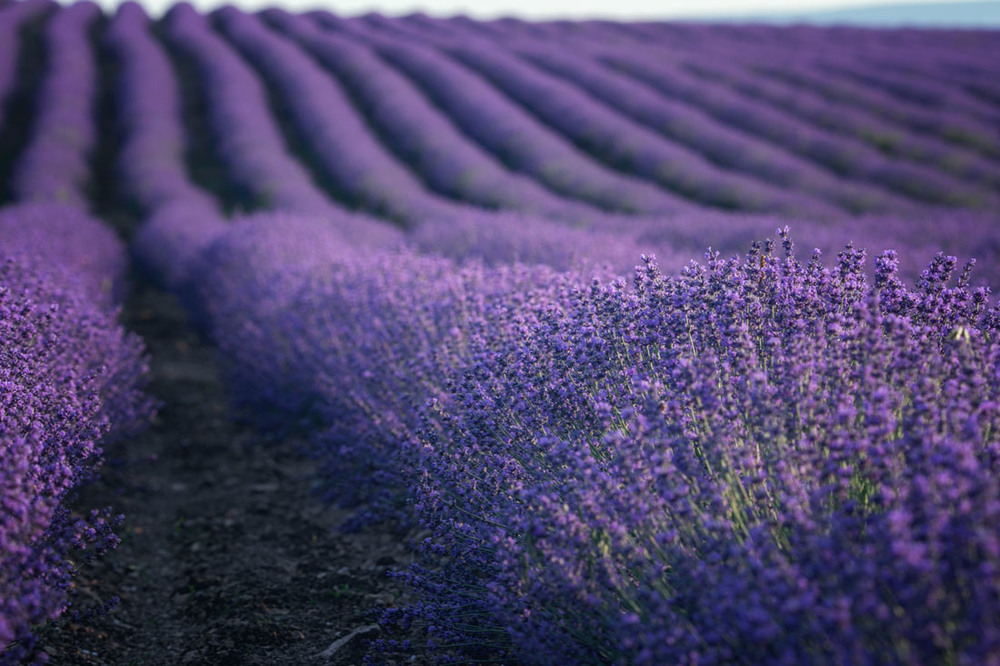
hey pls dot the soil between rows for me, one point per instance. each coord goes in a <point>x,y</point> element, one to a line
<point>226,557</point>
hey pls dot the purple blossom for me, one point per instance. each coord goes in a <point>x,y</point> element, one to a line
<point>72,379</point>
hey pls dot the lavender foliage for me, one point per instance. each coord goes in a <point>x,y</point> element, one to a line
<point>71,380</point>
<point>756,461</point>
<point>851,159</point>
<point>448,161</point>
<point>763,458</point>
<point>150,166</point>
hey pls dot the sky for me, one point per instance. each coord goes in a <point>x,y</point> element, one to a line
<point>542,9</point>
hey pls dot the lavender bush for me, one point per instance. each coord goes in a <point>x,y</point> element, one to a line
<point>956,128</point>
<point>847,119</point>
<point>850,159</point>
<point>325,325</point>
<point>726,105</point>
<point>756,461</point>
<point>688,125</point>
<point>72,380</point>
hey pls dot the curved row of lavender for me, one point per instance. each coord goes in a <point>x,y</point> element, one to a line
<point>849,120</point>
<point>55,166</point>
<point>151,159</point>
<point>950,59</point>
<point>948,124</point>
<point>846,95</point>
<point>833,114</point>
<point>524,416</point>
<point>72,380</point>
<point>12,19</point>
<point>617,140</point>
<point>687,124</point>
<point>927,53</point>
<point>664,60</point>
<point>361,169</point>
<point>874,91</point>
<point>923,91</point>
<point>608,472</point>
<point>514,136</point>
<point>179,218</point>
<point>448,161</point>
<point>248,138</point>
<point>840,155</point>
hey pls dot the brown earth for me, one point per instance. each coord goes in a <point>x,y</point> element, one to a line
<point>227,557</point>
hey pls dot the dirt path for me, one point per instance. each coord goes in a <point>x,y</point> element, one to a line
<point>226,556</point>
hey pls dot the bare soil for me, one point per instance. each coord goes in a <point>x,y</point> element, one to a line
<point>227,556</point>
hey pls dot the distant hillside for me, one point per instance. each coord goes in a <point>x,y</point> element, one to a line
<point>940,14</point>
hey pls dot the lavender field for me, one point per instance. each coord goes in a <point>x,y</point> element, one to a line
<point>631,343</point>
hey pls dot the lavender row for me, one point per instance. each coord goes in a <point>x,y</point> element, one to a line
<point>844,118</point>
<point>918,93</point>
<point>904,178</point>
<point>918,90</point>
<point>956,126</point>
<point>151,164</point>
<point>55,165</point>
<point>249,142</point>
<point>684,123</point>
<point>924,89</point>
<point>622,143</point>
<point>937,68</point>
<point>357,164</point>
<point>898,89</point>
<point>976,80</point>
<point>180,219</point>
<point>849,159</point>
<point>700,41</point>
<point>12,19</point>
<point>640,495</point>
<point>448,161</point>
<point>506,130</point>
<point>617,474</point>
<point>953,127</point>
<point>865,163</point>
<point>73,380</point>
<point>927,55</point>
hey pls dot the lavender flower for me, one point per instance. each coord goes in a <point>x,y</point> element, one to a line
<point>71,380</point>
